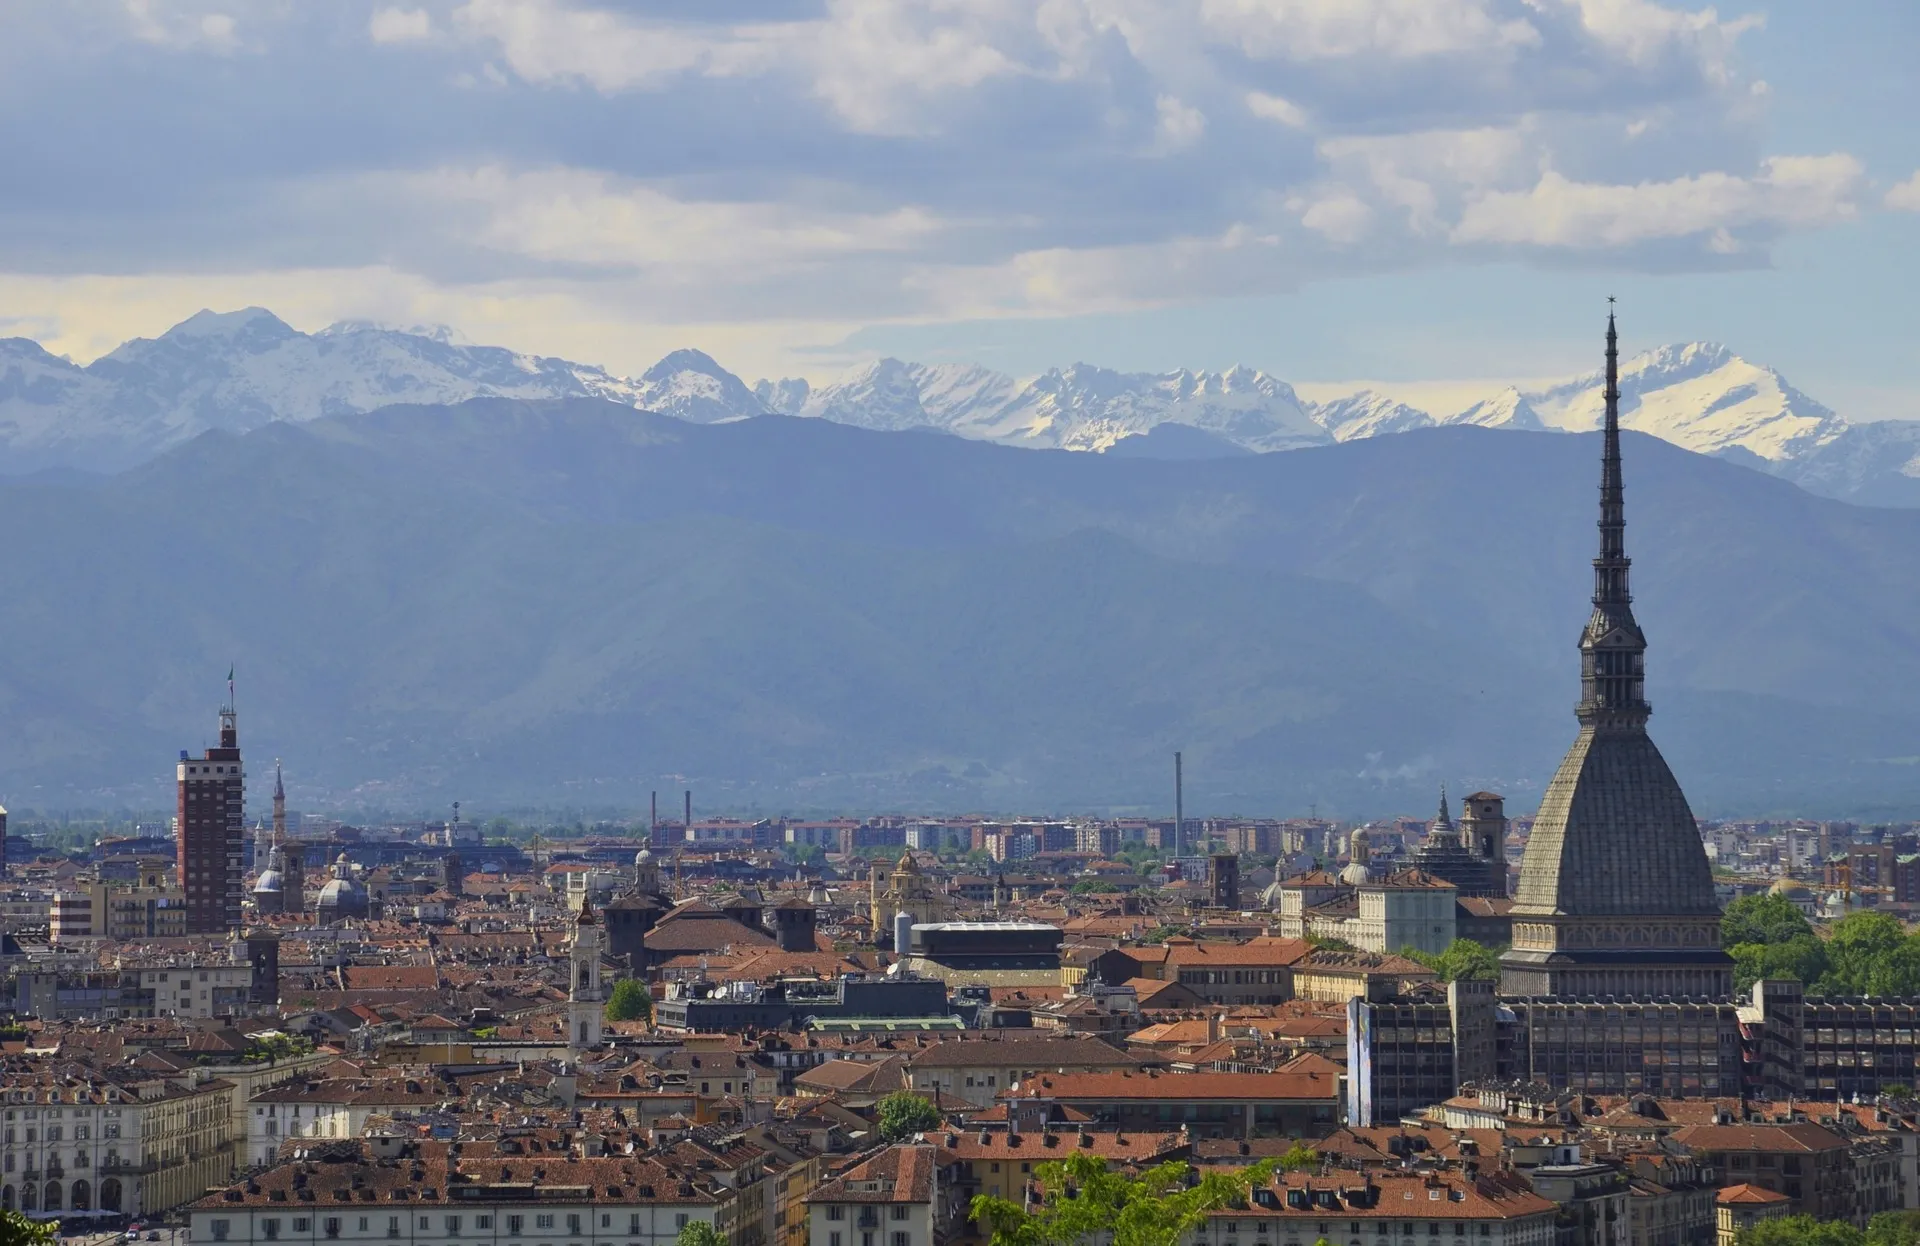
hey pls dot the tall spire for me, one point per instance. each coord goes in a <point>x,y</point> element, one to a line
<point>1612,649</point>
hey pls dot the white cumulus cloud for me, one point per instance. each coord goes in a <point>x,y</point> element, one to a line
<point>1904,197</point>
<point>400,26</point>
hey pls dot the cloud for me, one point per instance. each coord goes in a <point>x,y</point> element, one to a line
<point>875,161</point>
<point>1304,30</point>
<point>1273,108</point>
<point>1788,192</point>
<point>400,26</point>
<point>182,26</point>
<point>1904,197</point>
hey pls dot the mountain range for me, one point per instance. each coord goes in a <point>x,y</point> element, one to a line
<point>237,371</point>
<point>566,601</point>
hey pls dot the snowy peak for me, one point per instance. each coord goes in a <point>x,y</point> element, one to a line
<point>241,369</point>
<point>689,385</point>
<point>889,394</point>
<point>1507,409</point>
<point>248,328</point>
<point>1368,414</point>
<point>1702,396</point>
<point>1091,408</point>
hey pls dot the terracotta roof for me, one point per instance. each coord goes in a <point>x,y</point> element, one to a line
<point>1800,1138</point>
<point>1261,951</point>
<point>391,977</point>
<point>1304,1085</point>
<point>1388,1195</point>
<point>1025,1053</point>
<point>1748,1195</point>
<point>1057,1144</point>
<point>899,1174</point>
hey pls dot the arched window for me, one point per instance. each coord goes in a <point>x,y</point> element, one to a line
<point>27,1200</point>
<point>53,1196</point>
<point>82,1196</point>
<point>6,1198</point>
<point>110,1194</point>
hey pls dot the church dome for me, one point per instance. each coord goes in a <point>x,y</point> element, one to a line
<point>1356,874</point>
<point>643,857</point>
<point>268,882</point>
<point>344,895</point>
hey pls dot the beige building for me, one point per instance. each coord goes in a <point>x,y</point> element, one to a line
<point>139,1147</point>
<point>1407,909</point>
<point>976,1070</point>
<point>907,891</point>
<point>887,1200</point>
<point>153,908</point>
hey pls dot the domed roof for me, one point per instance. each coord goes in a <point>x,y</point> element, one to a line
<point>643,857</point>
<point>269,881</point>
<point>1356,874</point>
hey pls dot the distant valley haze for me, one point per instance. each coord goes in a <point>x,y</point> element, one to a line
<point>518,592</point>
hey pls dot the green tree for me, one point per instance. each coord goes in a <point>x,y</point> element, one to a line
<point>629,1001</point>
<point>17,1230</point>
<point>1894,1228</point>
<point>1801,1231</point>
<point>698,1233</point>
<point>1761,919</point>
<point>1803,959</point>
<point>1300,1158</point>
<point>1088,886</point>
<point>1463,958</point>
<point>1869,954</point>
<point>904,1114</point>
<point>1083,1201</point>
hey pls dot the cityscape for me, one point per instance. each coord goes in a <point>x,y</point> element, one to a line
<point>959,623</point>
<point>1605,1022</point>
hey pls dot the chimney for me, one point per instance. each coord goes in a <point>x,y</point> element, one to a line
<point>1179,807</point>
<point>1213,1027</point>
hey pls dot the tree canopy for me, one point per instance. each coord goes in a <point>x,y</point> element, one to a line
<point>904,1114</point>
<point>17,1230</point>
<point>1082,1201</point>
<point>1762,919</point>
<point>699,1233</point>
<point>1463,958</point>
<point>629,1001</point>
<point>1889,1228</point>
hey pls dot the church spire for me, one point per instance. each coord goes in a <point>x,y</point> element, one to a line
<point>1612,649</point>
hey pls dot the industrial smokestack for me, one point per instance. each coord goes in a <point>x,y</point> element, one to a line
<point>1179,810</point>
<point>902,933</point>
<point>653,810</point>
<point>689,822</point>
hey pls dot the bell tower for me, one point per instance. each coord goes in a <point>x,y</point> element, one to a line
<point>585,1001</point>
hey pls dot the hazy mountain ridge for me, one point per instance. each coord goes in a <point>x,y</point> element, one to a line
<point>993,629</point>
<point>239,370</point>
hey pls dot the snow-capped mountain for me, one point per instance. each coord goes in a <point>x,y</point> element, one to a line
<point>1368,414</point>
<point>1077,408</point>
<point>890,395</point>
<point>1507,409</point>
<point>689,385</point>
<point>1701,396</point>
<point>237,370</point>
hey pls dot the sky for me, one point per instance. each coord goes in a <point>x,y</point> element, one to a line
<point>1432,196</point>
